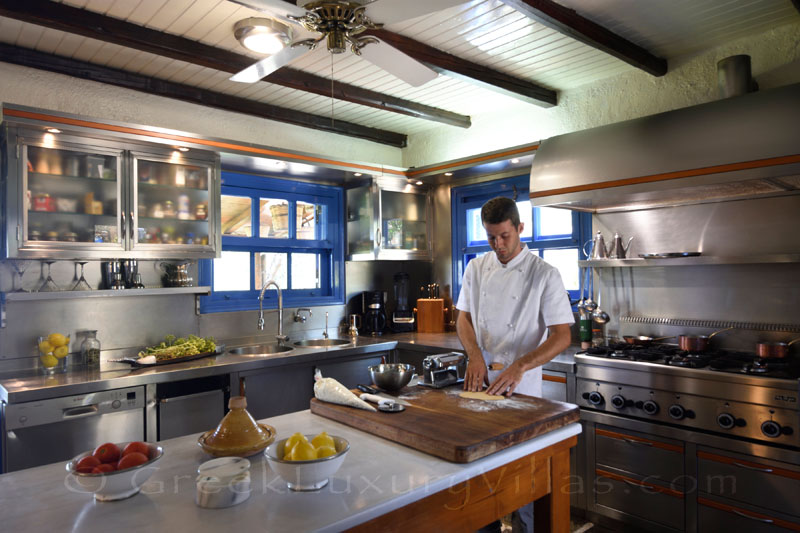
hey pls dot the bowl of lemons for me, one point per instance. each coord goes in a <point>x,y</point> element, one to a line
<point>53,351</point>
<point>306,462</point>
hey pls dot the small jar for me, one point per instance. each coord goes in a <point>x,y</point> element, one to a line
<point>90,349</point>
<point>169,209</point>
<point>51,236</point>
<point>201,211</point>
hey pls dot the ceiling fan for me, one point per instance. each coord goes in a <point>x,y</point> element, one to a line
<point>340,23</point>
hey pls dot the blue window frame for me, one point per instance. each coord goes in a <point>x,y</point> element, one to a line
<point>542,233</point>
<point>279,229</point>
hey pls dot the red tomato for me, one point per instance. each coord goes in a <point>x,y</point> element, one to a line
<point>131,460</point>
<point>103,468</point>
<point>137,446</point>
<point>107,453</point>
<point>90,461</point>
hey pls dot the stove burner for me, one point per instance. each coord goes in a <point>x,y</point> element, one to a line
<point>689,360</point>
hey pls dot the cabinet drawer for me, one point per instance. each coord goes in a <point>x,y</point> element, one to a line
<point>751,480</point>
<point>641,499</point>
<point>643,456</point>
<point>718,517</point>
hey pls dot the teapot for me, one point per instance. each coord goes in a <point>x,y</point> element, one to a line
<point>598,248</point>
<point>176,275</point>
<point>618,249</point>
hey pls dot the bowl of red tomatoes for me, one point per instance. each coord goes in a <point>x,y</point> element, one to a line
<point>114,471</point>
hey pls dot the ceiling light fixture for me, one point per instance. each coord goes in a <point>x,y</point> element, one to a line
<point>53,130</point>
<point>418,182</point>
<point>358,174</point>
<point>181,148</point>
<point>448,174</point>
<point>515,161</point>
<point>262,35</point>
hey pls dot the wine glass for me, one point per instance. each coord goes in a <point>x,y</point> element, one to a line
<point>49,285</point>
<point>81,284</point>
<point>18,266</point>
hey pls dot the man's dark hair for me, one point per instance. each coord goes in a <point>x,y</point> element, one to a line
<point>500,209</point>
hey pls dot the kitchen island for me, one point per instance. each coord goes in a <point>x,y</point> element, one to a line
<point>380,486</point>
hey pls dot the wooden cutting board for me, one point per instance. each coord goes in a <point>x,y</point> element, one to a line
<point>439,423</point>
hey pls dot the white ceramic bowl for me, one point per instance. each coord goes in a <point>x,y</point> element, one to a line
<point>116,485</point>
<point>306,475</point>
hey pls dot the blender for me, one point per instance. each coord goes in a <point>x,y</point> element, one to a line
<point>403,316</point>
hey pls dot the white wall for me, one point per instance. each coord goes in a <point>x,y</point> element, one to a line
<point>57,92</point>
<point>775,60</point>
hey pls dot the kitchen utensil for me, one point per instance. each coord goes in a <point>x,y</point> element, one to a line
<point>444,369</point>
<point>223,482</point>
<point>238,434</point>
<point>598,315</point>
<point>430,315</point>
<point>590,305</point>
<point>598,249</point>
<point>697,343</point>
<point>777,350</point>
<point>391,376</point>
<point>387,405</point>
<point>176,275</point>
<point>618,249</point>
<point>119,484</point>
<point>374,313</point>
<point>306,475</point>
<point>109,270</point>
<point>367,388</point>
<point>667,255</point>
<point>130,268</point>
<point>643,340</point>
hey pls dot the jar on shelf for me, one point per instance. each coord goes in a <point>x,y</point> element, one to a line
<point>201,211</point>
<point>90,349</point>
<point>169,209</point>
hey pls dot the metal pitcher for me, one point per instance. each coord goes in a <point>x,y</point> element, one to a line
<point>598,248</point>
<point>618,249</point>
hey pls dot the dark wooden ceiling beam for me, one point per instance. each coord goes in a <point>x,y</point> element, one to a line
<point>454,66</point>
<point>571,24</point>
<point>89,24</point>
<point>186,93</point>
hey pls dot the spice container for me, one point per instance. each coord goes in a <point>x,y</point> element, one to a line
<point>201,211</point>
<point>44,202</point>
<point>90,349</point>
<point>169,209</point>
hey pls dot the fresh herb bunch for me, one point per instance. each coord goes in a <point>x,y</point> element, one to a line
<point>172,347</point>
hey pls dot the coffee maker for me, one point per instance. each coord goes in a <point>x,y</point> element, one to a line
<point>403,316</point>
<point>374,318</point>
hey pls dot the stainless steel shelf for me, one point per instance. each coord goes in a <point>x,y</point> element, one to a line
<point>66,295</point>
<point>637,262</point>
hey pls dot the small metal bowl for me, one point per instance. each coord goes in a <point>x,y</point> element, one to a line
<point>392,376</point>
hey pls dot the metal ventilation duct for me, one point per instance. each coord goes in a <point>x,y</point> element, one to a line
<point>741,147</point>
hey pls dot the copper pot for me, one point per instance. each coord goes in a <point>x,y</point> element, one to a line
<point>777,350</point>
<point>697,343</point>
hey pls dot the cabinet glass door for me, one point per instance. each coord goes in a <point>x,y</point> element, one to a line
<point>172,202</point>
<point>361,233</point>
<point>72,197</point>
<point>404,222</point>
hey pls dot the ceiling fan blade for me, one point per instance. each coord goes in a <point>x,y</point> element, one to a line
<point>398,64</point>
<point>277,8</point>
<point>389,11</point>
<point>268,65</point>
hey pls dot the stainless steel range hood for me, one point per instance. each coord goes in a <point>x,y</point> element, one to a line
<point>741,147</point>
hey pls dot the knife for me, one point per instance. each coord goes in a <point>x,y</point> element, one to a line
<point>377,399</point>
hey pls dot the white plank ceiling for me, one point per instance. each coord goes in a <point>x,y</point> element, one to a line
<point>486,32</point>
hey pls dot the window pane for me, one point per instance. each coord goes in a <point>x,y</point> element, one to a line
<point>271,266</point>
<point>475,231</point>
<point>232,271</point>
<point>566,261</point>
<point>526,217</point>
<point>236,219</point>
<point>554,222</point>
<point>273,218</point>
<point>309,221</point>
<point>305,271</point>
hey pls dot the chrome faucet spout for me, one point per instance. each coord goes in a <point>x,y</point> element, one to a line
<point>280,336</point>
<point>325,333</point>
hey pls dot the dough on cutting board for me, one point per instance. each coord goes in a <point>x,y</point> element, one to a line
<point>481,396</point>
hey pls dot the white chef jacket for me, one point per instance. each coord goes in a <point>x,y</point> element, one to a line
<point>512,306</point>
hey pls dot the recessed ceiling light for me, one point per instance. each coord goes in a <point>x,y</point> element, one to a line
<point>357,174</point>
<point>448,173</point>
<point>280,164</point>
<point>182,148</point>
<point>262,35</point>
<point>418,182</point>
<point>53,130</point>
<point>515,160</point>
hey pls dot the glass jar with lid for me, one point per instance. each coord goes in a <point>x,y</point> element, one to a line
<point>90,349</point>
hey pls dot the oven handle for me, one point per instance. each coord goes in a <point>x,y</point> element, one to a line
<point>757,469</point>
<point>640,442</point>
<point>757,519</point>
<point>81,411</point>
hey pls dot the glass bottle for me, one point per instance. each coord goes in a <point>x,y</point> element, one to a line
<point>90,349</point>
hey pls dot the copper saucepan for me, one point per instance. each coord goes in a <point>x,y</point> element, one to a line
<point>643,340</point>
<point>777,350</point>
<point>697,343</point>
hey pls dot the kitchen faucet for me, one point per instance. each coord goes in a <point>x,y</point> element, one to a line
<point>280,336</point>
<point>325,332</point>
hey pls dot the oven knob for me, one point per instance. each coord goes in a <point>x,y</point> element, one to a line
<point>595,398</point>
<point>771,429</point>
<point>726,420</point>
<point>115,404</point>
<point>618,401</point>
<point>650,407</point>
<point>677,412</point>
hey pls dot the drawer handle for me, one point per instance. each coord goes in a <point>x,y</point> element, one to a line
<point>757,469</point>
<point>757,519</point>
<point>84,410</point>
<point>641,443</point>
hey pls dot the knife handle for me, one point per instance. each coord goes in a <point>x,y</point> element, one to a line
<point>376,399</point>
<point>365,388</point>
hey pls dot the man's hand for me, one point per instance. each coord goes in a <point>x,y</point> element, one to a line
<point>477,374</point>
<point>507,381</point>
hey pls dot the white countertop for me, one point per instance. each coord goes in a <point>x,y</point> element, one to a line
<point>376,477</point>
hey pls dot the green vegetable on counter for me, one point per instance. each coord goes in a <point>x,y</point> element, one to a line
<point>172,347</point>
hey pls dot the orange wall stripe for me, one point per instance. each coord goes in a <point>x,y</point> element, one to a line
<point>500,155</point>
<point>204,142</point>
<point>794,526</point>
<point>791,474</point>
<point>655,443</point>
<point>730,167</point>
<point>556,379</point>
<point>642,484</point>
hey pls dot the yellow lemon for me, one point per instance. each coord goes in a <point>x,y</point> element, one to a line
<point>61,352</point>
<point>323,439</point>
<point>45,347</point>
<point>48,360</point>
<point>303,451</point>
<point>57,339</point>
<point>325,451</point>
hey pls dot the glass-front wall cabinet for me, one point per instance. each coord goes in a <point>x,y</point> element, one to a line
<point>388,219</point>
<point>70,196</point>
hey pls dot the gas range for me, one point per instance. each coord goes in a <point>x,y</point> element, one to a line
<point>731,393</point>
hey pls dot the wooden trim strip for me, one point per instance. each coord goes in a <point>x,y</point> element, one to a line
<point>204,142</point>
<point>555,379</point>
<point>791,474</point>
<point>794,526</point>
<point>729,167</point>
<point>643,484</point>
<point>453,165</point>
<point>655,443</point>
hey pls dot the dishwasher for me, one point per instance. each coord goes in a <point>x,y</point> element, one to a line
<point>57,429</point>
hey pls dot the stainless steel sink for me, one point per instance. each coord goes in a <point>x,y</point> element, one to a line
<point>260,350</point>
<point>322,343</point>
